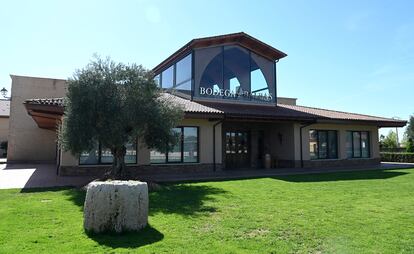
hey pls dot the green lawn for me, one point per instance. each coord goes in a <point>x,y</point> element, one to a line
<point>360,212</point>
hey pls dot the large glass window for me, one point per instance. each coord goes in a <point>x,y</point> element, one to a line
<point>185,151</point>
<point>183,70</point>
<point>233,72</point>
<point>236,71</point>
<point>190,137</point>
<point>175,154</point>
<point>102,155</point>
<point>357,144</point>
<point>90,157</point>
<point>157,80</point>
<point>167,77</point>
<point>323,144</point>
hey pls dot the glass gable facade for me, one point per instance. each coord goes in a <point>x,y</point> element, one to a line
<point>228,72</point>
<point>233,73</point>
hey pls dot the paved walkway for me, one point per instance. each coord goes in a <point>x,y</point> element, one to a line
<point>36,175</point>
<point>44,175</point>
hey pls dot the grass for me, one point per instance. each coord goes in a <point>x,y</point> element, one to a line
<point>358,212</point>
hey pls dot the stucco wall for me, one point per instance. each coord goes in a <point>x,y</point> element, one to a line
<point>341,128</point>
<point>27,142</point>
<point>4,132</point>
<point>205,145</point>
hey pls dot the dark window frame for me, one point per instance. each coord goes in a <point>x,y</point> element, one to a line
<point>182,147</point>
<point>175,72</point>
<point>107,163</point>
<point>327,145</point>
<point>360,144</point>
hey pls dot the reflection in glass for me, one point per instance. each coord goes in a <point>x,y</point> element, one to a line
<point>183,70</point>
<point>90,157</point>
<point>131,153</point>
<point>168,78</point>
<point>365,144</point>
<point>106,156</point>
<point>175,154</point>
<point>313,144</point>
<point>348,145</point>
<point>190,144</point>
<point>357,144</point>
<point>157,157</point>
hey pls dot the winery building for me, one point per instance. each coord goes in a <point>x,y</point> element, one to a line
<point>234,118</point>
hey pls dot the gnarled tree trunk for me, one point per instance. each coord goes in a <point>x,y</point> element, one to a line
<point>118,167</point>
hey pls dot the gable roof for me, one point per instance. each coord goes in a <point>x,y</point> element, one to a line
<point>240,38</point>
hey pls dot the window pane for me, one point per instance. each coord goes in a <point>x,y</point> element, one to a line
<point>313,144</point>
<point>332,144</point>
<point>262,76</point>
<point>190,144</point>
<point>365,144</point>
<point>175,154</point>
<point>184,88</point>
<point>91,157</point>
<point>357,144</point>
<point>323,144</point>
<point>157,80</point>
<point>168,77</point>
<point>157,157</point>
<point>131,153</point>
<point>236,71</point>
<point>208,71</point>
<point>228,142</point>
<point>348,144</point>
<point>183,70</point>
<point>106,156</point>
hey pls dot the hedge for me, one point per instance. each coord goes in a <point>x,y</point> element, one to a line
<point>397,157</point>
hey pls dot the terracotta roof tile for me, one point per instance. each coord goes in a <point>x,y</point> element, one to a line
<point>46,101</point>
<point>247,111</point>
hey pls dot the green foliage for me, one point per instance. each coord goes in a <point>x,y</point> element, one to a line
<point>349,212</point>
<point>113,103</point>
<point>409,145</point>
<point>409,132</point>
<point>397,157</point>
<point>390,141</point>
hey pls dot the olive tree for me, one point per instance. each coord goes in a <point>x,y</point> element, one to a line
<point>113,104</point>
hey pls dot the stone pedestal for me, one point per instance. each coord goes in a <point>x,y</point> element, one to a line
<point>116,206</point>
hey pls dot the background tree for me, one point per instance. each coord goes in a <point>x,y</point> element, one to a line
<point>409,135</point>
<point>390,141</point>
<point>113,104</point>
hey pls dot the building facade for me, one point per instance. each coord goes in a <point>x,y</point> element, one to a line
<point>233,118</point>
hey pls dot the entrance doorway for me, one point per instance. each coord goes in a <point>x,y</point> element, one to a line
<point>237,148</point>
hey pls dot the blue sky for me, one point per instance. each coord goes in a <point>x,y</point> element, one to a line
<point>355,56</point>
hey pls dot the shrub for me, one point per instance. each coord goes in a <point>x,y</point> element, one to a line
<point>397,157</point>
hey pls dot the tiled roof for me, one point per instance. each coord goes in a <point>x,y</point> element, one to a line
<point>337,115</point>
<point>4,108</point>
<point>190,106</point>
<point>247,111</point>
<point>46,101</point>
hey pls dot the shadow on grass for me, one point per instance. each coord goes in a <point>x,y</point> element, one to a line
<point>341,176</point>
<point>183,199</point>
<point>147,235</point>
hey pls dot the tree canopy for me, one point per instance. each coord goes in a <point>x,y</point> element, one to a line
<point>390,141</point>
<point>409,135</point>
<point>113,103</point>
